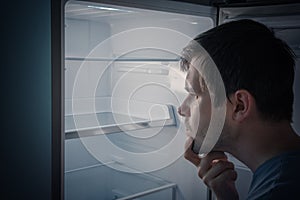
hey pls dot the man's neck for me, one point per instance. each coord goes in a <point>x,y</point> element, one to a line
<point>264,141</point>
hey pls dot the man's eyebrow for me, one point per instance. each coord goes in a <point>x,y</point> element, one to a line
<point>186,89</point>
<point>189,90</point>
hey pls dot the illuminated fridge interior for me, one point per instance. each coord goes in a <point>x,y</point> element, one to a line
<point>123,85</point>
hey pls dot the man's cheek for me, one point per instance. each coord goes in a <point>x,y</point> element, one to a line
<point>195,119</point>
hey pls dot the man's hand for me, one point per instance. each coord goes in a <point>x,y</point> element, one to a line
<point>215,171</point>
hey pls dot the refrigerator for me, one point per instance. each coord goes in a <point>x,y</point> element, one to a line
<point>122,85</point>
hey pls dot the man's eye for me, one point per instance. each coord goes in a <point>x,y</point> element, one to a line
<point>194,96</point>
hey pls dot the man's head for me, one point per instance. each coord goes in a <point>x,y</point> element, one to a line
<point>253,64</point>
<point>250,57</point>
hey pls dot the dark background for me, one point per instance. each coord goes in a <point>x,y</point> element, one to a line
<point>25,100</point>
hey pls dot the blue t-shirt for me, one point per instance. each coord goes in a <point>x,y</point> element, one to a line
<point>277,178</point>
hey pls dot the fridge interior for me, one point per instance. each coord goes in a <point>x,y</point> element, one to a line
<point>123,85</point>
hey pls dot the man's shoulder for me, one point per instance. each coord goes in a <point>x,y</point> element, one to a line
<point>277,178</point>
<point>281,168</point>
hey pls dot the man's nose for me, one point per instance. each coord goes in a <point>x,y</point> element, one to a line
<point>184,111</point>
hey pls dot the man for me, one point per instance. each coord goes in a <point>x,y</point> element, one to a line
<point>258,74</point>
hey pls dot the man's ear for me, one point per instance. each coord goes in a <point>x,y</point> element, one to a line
<point>243,104</point>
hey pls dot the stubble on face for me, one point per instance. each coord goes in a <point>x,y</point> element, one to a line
<point>199,104</point>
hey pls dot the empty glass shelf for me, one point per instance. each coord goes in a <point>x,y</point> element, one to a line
<point>84,125</point>
<point>104,182</point>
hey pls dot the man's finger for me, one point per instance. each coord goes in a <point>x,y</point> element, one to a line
<point>189,154</point>
<point>208,160</point>
<point>217,169</point>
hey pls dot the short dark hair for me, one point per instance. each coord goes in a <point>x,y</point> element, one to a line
<point>249,56</point>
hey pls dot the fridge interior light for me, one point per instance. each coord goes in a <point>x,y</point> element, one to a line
<point>108,8</point>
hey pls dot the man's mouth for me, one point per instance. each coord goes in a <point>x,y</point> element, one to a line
<point>188,131</point>
<point>187,127</point>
